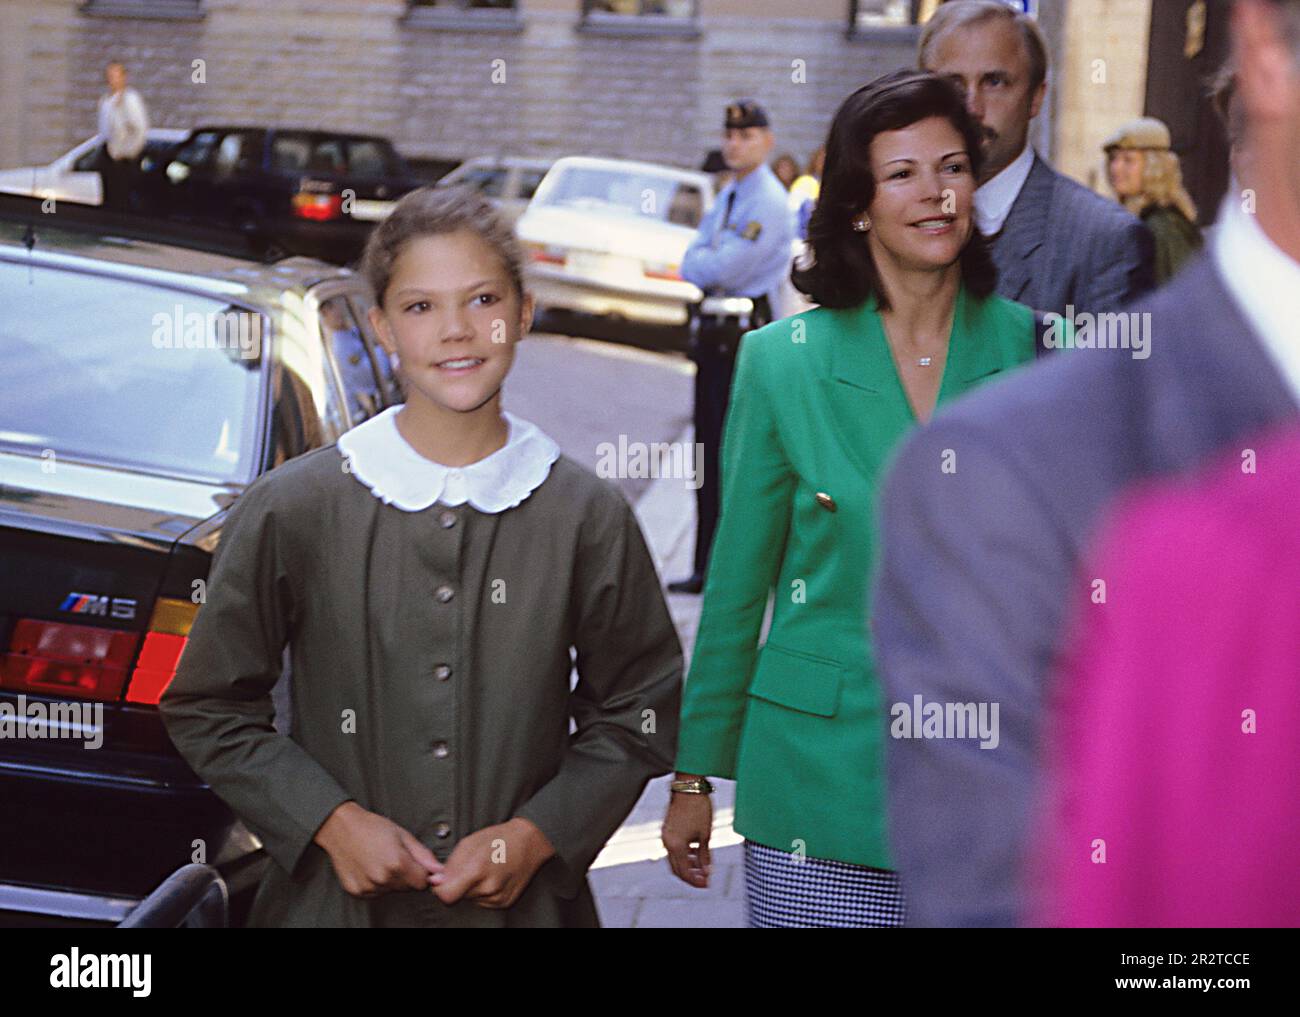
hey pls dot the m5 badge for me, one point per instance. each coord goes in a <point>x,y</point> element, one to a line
<point>90,603</point>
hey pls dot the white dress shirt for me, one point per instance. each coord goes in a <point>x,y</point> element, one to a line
<point>1265,284</point>
<point>397,475</point>
<point>123,123</point>
<point>993,200</point>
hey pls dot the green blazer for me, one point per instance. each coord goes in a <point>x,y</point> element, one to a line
<point>817,408</point>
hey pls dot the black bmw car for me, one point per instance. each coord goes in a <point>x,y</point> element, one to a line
<point>144,387</point>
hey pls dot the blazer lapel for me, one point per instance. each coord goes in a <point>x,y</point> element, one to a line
<point>1024,232</point>
<point>970,358</point>
<point>860,383</point>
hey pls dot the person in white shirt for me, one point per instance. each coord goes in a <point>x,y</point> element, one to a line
<point>1056,244</point>
<point>123,126</point>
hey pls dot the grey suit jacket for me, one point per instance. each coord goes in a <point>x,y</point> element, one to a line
<point>978,566</point>
<point>1064,244</point>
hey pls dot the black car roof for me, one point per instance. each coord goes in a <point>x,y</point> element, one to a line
<point>315,132</point>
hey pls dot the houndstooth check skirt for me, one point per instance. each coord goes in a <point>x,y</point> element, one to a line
<point>785,890</point>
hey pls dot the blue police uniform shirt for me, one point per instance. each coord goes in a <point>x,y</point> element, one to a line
<point>746,253</point>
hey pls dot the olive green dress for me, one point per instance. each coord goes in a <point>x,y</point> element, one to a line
<point>430,681</point>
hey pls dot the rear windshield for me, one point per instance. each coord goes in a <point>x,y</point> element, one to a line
<point>352,157</point>
<point>627,192</point>
<point>127,374</point>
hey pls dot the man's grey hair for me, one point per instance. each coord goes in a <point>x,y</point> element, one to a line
<point>964,13</point>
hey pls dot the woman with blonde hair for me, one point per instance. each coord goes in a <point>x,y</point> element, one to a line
<point>1145,175</point>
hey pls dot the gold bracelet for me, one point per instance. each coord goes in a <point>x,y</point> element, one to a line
<point>698,786</point>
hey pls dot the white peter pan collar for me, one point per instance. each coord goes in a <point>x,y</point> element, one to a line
<point>397,475</point>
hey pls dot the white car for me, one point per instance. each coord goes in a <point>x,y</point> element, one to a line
<point>74,176</point>
<point>607,236</point>
<point>508,182</point>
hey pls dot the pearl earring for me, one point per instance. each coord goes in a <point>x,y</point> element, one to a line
<point>861,225</point>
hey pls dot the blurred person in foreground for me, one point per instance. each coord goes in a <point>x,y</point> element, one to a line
<point>908,321</point>
<point>1145,175</point>
<point>986,513</point>
<point>1172,786</point>
<point>1057,245</point>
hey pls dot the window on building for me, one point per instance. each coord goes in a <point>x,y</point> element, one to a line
<point>467,5</point>
<point>868,14</point>
<point>641,8</point>
<point>465,15</point>
<point>143,8</point>
<point>641,16</point>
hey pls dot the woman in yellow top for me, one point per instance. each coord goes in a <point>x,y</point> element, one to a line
<point>908,320</point>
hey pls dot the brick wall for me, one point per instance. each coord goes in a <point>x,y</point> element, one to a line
<point>1102,81</point>
<point>354,64</point>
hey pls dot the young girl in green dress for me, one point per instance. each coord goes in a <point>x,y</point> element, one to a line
<point>435,577</point>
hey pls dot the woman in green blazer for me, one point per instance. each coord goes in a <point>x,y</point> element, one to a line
<point>907,320</point>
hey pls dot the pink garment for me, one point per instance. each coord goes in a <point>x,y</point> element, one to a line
<point>1147,750</point>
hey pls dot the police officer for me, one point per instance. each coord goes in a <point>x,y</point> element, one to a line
<point>738,259</point>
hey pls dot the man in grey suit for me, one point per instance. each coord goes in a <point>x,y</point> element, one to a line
<point>1056,243</point>
<point>987,512</point>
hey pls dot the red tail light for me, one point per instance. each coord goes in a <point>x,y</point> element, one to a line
<point>54,659</point>
<point>169,627</point>
<point>317,207</point>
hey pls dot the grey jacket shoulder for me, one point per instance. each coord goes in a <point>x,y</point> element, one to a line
<point>1102,214</point>
<point>1092,419</point>
<point>1072,389</point>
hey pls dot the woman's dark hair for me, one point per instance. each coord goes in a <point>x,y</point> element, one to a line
<point>842,272</point>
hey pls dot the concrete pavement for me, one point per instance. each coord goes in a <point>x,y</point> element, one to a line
<point>583,393</point>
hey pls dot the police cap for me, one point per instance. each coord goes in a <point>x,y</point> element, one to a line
<point>745,113</point>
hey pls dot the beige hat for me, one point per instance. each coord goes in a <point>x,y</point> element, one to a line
<point>1142,133</point>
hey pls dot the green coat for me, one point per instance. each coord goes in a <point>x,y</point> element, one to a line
<point>1177,239</point>
<point>383,670</point>
<point>799,722</point>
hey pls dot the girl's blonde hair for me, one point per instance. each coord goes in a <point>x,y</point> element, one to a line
<point>1162,184</point>
<point>437,211</point>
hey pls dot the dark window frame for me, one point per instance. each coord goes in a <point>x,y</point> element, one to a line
<point>887,32</point>
<point>599,22</point>
<point>459,16</point>
<point>158,10</point>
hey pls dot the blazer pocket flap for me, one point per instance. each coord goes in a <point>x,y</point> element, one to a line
<point>798,681</point>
